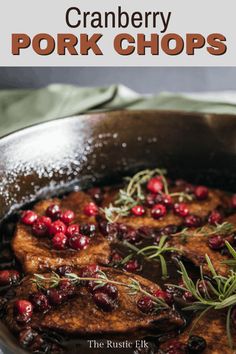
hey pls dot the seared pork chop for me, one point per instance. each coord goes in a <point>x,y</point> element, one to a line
<point>80,315</point>
<point>36,254</point>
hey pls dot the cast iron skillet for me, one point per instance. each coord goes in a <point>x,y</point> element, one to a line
<point>101,148</point>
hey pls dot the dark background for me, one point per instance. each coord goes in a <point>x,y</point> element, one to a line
<point>143,80</point>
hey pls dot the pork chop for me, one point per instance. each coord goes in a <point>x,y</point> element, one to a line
<point>36,254</point>
<point>80,315</point>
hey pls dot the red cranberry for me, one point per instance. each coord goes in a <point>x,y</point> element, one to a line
<point>175,347</point>
<point>9,277</point>
<point>169,230</point>
<point>132,266</point>
<point>164,199</point>
<point>103,301</point>
<point>181,209</point>
<point>233,201</point>
<point>216,242</point>
<point>164,295</point>
<point>90,271</point>
<point>45,219</point>
<point>158,211</point>
<point>192,221</point>
<point>28,217</point>
<point>116,257</point>
<point>39,229</point>
<point>196,345</point>
<point>67,216</point>
<point>201,192</point>
<point>91,209</point>
<point>109,289</point>
<point>23,310</point>
<point>145,304</point>
<point>131,236</point>
<point>72,229</point>
<point>155,185</point>
<point>215,218</point>
<point>54,296</point>
<point>188,296</point>
<point>104,227</point>
<point>138,210</point>
<point>79,242</point>
<point>59,241</point>
<point>66,288</point>
<point>150,200</point>
<point>53,211</point>
<point>146,232</point>
<point>96,194</point>
<point>40,302</point>
<point>88,229</point>
<point>63,270</point>
<point>57,226</point>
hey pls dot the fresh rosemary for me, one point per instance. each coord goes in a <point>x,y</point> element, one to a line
<point>155,253</point>
<point>134,194</point>
<point>232,251</point>
<point>220,293</point>
<point>223,229</point>
<point>133,285</point>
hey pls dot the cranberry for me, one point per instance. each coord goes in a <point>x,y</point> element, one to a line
<point>72,229</point>
<point>88,229</point>
<point>138,210</point>
<point>23,310</point>
<point>96,194</point>
<point>103,301</point>
<point>28,217</point>
<point>150,200</point>
<point>116,257</point>
<point>66,288</point>
<point>175,347</point>
<point>146,232</point>
<point>216,242</point>
<point>67,216</point>
<point>59,241</point>
<point>181,209</point>
<point>155,185</point>
<point>192,221</point>
<point>215,218</point>
<point>158,211</point>
<point>189,188</point>
<point>196,344</point>
<point>145,304</point>
<point>79,242</point>
<point>169,230</point>
<point>164,295</point>
<point>188,296</point>
<point>63,270</point>
<point>54,296</point>
<point>104,227</point>
<point>233,201</point>
<point>132,266</point>
<point>91,209</point>
<point>53,211</point>
<point>40,302</point>
<point>9,277</point>
<point>131,236</point>
<point>57,226</point>
<point>26,336</point>
<point>201,192</point>
<point>90,271</point>
<point>45,219</point>
<point>109,289</point>
<point>164,199</point>
<point>39,229</point>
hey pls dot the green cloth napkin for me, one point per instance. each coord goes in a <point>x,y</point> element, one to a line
<point>21,108</point>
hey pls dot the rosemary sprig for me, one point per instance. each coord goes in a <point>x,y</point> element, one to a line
<point>155,253</point>
<point>223,229</point>
<point>221,293</point>
<point>134,194</point>
<point>232,251</point>
<point>133,285</point>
